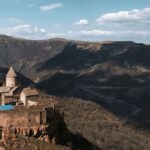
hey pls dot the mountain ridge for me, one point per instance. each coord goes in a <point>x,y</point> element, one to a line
<point>112,74</point>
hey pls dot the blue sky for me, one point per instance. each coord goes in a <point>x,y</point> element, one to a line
<point>91,20</point>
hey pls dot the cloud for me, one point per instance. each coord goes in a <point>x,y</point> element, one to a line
<point>24,30</point>
<point>110,33</point>
<point>82,22</point>
<point>30,32</point>
<point>34,32</point>
<point>51,6</point>
<point>91,33</point>
<point>135,33</point>
<point>53,35</point>
<point>96,33</point>
<point>131,16</point>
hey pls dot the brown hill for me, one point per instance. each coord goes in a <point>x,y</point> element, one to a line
<point>92,128</point>
<point>113,74</point>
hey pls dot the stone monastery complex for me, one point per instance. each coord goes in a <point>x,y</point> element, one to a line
<point>23,112</point>
<point>7,91</point>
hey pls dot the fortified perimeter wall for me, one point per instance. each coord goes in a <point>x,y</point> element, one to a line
<point>28,122</point>
<point>23,119</point>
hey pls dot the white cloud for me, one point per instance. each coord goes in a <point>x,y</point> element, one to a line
<point>90,33</point>
<point>135,15</point>
<point>53,35</point>
<point>51,6</point>
<point>34,32</point>
<point>24,30</point>
<point>96,33</point>
<point>135,33</point>
<point>30,32</point>
<point>82,22</point>
<point>110,33</point>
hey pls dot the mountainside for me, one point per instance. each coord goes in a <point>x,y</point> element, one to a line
<point>61,54</point>
<point>101,129</point>
<point>113,74</point>
<point>89,127</point>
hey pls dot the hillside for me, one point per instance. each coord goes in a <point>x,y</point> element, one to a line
<point>89,127</point>
<point>115,75</point>
<point>101,128</point>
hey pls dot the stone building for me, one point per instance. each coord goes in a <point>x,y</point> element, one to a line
<point>7,90</point>
<point>27,94</point>
<point>28,116</point>
<point>11,78</point>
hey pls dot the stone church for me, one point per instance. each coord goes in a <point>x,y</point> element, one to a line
<point>10,86</point>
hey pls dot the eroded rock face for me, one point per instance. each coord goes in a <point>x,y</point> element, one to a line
<point>13,132</point>
<point>44,124</point>
<point>50,134</point>
<point>28,123</point>
<point>31,144</point>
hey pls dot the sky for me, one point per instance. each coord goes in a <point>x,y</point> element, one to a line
<point>88,20</point>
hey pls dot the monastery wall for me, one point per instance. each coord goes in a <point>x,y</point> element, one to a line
<point>23,119</point>
<point>25,123</point>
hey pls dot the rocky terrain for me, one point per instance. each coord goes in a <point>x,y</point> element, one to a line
<point>102,129</point>
<point>89,127</point>
<point>115,75</point>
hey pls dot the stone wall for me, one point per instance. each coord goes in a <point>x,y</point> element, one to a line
<point>15,119</point>
<point>10,82</point>
<point>25,123</point>
<point>12,132</point>
<point>23,119</point>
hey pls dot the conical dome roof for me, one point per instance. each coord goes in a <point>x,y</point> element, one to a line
<point>11,72</point>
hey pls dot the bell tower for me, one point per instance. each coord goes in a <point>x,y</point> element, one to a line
<point>11,78</point>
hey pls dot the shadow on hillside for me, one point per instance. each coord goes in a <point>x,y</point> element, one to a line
<point>131,93</point>
<point>59,84</point>
<point>69,85</point>
<point>76,58</point>
<point>70,58</point>
<point>65,137</point>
